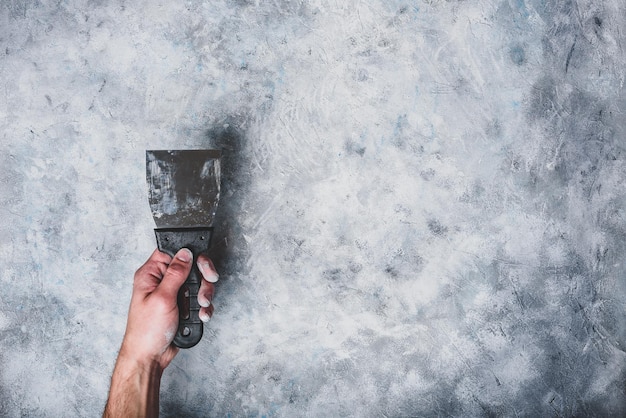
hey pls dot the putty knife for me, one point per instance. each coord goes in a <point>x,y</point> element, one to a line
<point>184,189</point>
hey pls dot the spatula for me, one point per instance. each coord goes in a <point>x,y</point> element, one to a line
<point>184,189</point>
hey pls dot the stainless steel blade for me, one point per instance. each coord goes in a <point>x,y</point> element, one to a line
<point>184,186</point>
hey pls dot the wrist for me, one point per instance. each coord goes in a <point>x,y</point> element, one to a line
<point>136,363</point>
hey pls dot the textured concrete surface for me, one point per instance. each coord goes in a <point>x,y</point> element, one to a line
<point>423,209</point>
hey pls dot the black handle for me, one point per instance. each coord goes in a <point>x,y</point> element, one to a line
<point>198,240</point>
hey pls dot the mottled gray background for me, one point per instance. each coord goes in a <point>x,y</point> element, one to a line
<point>423,213</point>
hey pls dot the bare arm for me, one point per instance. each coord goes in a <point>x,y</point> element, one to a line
<point>134,389</point>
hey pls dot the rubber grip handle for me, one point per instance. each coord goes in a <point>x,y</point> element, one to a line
<point>198,240</point>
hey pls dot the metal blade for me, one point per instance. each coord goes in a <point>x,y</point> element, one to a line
<point>184,187</point>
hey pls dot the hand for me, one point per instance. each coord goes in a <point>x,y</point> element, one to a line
<point>147,348</point>
<point>153,313</point>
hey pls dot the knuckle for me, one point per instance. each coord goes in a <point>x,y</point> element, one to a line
<point>140,270</point>
<point>139,274</point>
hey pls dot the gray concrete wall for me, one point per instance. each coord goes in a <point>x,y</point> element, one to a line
<point>423,209</point>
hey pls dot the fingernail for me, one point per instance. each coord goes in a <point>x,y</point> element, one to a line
<point>204,302</point>
<point>204,317</point>
<point>184,255</point>
<point>208,274</point>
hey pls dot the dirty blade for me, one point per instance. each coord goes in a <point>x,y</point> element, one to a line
<point>184,189</point>
<point>184,186</point>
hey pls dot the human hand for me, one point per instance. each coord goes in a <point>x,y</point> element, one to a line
<point>147,348</point>
<point>153,313</point>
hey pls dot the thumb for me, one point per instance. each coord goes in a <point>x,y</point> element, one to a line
<point>176,274</point>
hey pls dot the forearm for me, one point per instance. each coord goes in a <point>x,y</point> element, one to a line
<point>134,389</point>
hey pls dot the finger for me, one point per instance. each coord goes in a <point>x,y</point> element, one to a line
<point>176,274</point>
<point>149,275</point>
<point>206,313</point>
<point>210,276</point>
<point>205,293</point>
<point>207,269</point>
<point>160,257</point>
<point>156,264</point>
